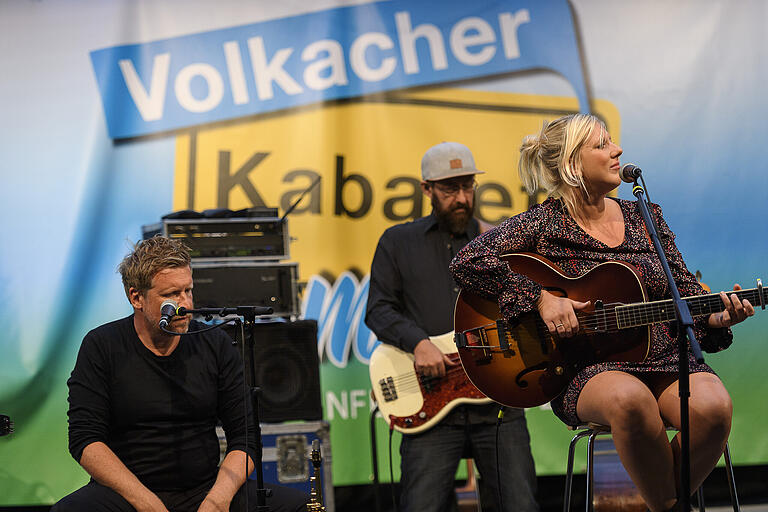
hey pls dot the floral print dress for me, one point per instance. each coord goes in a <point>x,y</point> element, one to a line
<point>548,230</point>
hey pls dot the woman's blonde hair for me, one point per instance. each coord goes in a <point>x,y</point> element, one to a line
<point>551,159</point>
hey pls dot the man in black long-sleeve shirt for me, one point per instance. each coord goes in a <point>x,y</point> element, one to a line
<point>144,403</point>
<point>412,297</point>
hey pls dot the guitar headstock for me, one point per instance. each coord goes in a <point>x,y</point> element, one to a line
<point>6,425</point>
<point>703,284</point>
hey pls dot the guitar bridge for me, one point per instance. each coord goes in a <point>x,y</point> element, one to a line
<point>503,334</point>
<point>388,389</point>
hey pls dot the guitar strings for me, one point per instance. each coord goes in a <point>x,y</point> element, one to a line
<point>414,387</point>
<point>412,375</point>
<point>660,311</point>
<point>638,314</point>
<point>609,321</point>
<point>642,311</point>
<point>413,381</point>
<point>608,317</point>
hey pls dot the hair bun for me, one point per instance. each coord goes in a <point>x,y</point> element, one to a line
<point>531,143</point>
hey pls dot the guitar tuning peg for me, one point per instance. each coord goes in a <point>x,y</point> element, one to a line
<point>703,285</point>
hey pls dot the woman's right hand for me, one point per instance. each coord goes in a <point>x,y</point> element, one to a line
<point>559,314</point>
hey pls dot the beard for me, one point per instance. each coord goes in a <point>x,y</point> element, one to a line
<point>455,218</point>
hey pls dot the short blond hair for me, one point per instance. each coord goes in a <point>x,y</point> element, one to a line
<point>148,258</point>
<point>551,159</point>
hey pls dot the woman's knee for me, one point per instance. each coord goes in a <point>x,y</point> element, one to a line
<point>634,411</point>
<point>712,417</point>
<point>624,402</point>
<point>711,408</point>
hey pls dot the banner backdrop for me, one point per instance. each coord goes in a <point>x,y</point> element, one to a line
<point>116,113</point>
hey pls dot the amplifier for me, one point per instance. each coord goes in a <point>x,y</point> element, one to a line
<point>232,283</point>
<point>237,238</point>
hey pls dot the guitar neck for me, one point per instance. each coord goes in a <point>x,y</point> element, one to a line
<point>645,313</point>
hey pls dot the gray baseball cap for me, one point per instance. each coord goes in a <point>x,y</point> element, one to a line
<point>447,160</point>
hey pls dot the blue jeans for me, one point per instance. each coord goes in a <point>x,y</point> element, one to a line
<point>429,462</point>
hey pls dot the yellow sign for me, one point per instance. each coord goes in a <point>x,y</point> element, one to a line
<point>366,154</point>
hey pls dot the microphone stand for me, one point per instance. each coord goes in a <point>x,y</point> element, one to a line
<point>249,318</point>
<point>684,334</point>
<point>249,314</point>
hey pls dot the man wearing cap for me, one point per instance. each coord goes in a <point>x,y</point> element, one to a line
<point>412,297</point>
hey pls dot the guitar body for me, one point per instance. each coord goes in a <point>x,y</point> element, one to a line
<point>411,403</point>
<point>530,366</point>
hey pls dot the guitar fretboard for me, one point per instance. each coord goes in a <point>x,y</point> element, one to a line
<point>645,313</point>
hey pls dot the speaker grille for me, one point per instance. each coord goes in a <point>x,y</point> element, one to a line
<point>287,370</point>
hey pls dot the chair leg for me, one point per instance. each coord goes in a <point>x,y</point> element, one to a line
<point>590,468</point>
<point>700,498</point>
<point>569,469</point>
<point>731,480</point>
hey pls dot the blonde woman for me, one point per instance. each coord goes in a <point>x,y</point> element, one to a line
<point>579,226</point>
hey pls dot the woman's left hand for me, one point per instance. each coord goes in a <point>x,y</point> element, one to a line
<point>735,310</point>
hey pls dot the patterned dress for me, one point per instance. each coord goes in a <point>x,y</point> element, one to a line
<point>547,229</point>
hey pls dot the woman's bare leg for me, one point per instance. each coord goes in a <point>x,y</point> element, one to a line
<point>710,421</point>
<point>629,406</point>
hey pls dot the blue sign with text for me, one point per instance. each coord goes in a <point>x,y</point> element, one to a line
<point>339,53</point>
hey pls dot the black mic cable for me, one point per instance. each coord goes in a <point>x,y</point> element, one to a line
<point>246,397</point>
<point>392,469</point>
<point>498,467</point>
<point>630,173</point>
<point>190,333</point>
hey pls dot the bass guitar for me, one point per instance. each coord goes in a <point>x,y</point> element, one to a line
<point>412,403</point>
<point>521,364</point>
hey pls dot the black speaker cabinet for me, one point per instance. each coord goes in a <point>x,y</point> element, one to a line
<point>287,370</point>
<point>270,284</point>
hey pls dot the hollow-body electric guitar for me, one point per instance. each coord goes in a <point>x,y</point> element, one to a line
<point>413,403</point>
<point>522,365</point>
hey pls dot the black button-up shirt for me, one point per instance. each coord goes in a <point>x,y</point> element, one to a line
<point>412,295</point>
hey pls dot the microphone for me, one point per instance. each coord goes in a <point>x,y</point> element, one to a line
<point>167,311</point>
<point>629,173</point>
